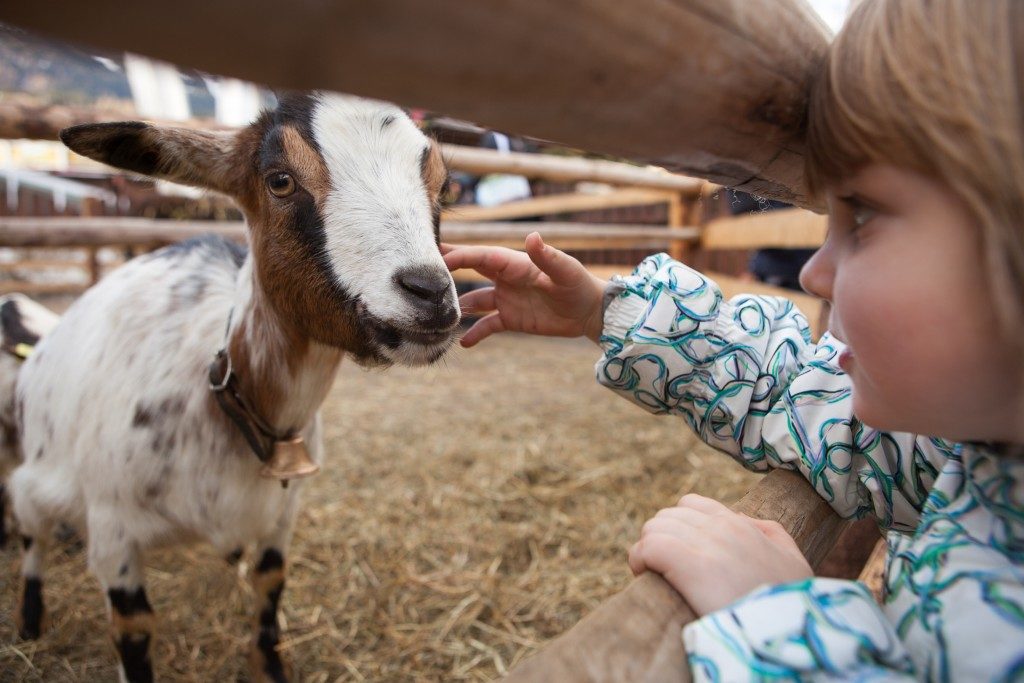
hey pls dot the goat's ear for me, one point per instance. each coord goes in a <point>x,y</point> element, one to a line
<point>186,156</point>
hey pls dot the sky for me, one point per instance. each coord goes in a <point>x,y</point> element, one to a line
<point>832,11</point>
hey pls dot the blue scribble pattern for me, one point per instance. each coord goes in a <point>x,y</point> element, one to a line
<point>746,377</point>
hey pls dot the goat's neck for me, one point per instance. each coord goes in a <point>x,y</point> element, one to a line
<point>283,374</point>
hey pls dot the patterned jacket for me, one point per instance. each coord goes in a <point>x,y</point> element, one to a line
<point>747,378</point>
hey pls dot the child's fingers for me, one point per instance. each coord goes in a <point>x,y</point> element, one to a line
<point>689,515</point>
<point>661,553</point>
<point>708,506</point>
<point>483,328</point>
<point>445,247</point>
<point>559,266</point>
<point>635,559</point>
<point>478,301</point>
<point>776,532</point>
<point>488,261</point>
<point>687,525</point>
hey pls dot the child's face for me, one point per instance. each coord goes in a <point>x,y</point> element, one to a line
<point>902,266</point>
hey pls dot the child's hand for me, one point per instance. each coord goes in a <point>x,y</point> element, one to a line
<point>544,291</point>
<point>714,556</point>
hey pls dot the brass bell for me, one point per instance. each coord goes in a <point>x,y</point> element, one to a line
<point>290,460</point>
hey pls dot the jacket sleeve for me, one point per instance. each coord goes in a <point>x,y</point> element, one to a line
<point>816,629</point>
<point>747,378</point>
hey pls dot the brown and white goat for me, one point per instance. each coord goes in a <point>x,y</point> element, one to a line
<point>121,433</point>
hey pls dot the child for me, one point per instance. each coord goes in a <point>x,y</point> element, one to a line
<point>916,141</point>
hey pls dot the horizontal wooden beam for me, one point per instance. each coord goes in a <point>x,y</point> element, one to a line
<point>76,231</point>
<point>635,635</point>
<point>783,229</point>
<point>481,161</point>
<point>42,288</point>
<point>711,88</point>
<point>552,230</point>
<point>568,236</point>
<point>571,202</point>
<point>101,231</point>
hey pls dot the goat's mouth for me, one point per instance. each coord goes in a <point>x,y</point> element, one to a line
<point>392,336</point>
<point>408,345</point>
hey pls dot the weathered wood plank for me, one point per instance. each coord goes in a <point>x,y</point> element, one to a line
<point>480,161</point>
<point>75,231</point>
<point>784,229</point>
<point>712,88</point>
<point>558,203</point>
<point>873,574</point>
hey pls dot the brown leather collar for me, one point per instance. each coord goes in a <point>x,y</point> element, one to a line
<point>258,434</point>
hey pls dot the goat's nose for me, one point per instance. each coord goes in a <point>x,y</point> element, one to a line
<point>425,285</point>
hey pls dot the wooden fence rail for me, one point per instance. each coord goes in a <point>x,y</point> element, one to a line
<point>713,88</point>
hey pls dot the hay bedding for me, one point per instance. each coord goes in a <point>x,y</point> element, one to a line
<point>468,513</point>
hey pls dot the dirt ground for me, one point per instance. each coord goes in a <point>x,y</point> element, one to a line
<point>468,512</point>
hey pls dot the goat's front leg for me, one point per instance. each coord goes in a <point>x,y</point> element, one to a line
<point>116,563</point>
<point>266,663</point>
<point>36,526</point>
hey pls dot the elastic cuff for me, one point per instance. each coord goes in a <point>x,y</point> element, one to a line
<point>622,310</point>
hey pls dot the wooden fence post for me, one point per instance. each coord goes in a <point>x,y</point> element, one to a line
<point>677,211</point>
<point>92,207</point>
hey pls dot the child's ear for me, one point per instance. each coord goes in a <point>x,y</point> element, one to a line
<point>181,155</point>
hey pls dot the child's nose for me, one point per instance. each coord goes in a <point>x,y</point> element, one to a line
<point>818,273</point>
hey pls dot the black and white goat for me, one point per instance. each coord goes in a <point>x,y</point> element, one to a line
<point>23,322</point>
<point>132,435</point>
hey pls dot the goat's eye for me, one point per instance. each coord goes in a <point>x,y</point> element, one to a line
<point>281,184</point>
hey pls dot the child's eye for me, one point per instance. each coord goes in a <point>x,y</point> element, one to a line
<point>862,214</point>
<point>859,212</point>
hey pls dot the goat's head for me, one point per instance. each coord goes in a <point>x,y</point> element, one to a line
<point>342,197</point>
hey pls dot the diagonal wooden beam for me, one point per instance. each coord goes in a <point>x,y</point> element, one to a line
<point>636,635</point>
<point>711,88</point>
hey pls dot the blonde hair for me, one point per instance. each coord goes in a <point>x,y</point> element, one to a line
<point>934,86</point>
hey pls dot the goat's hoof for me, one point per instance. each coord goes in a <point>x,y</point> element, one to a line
<point>267,665</point>
<point>32,627</point>
<point>29,632</point>
<point>30,618</point>
<point>234,557</point>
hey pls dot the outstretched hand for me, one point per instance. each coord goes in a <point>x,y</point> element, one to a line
<point>544,291</point>
<point>714,556</point>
